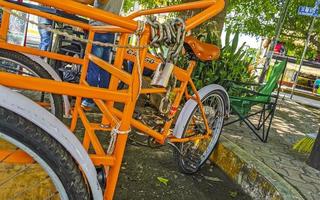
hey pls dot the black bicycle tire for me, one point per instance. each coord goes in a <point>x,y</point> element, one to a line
<point>177,154</point>
<point>48,149</point>
<point>40,71</point>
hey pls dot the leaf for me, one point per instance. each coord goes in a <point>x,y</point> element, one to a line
<point>235,42</point>
<point>227,41</point>
<point>163,180</point>
<point>233,194</point>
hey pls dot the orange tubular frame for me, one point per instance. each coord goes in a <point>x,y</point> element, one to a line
<point>106,97</point>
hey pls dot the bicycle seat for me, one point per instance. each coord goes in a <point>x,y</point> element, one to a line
<point>203,51</point>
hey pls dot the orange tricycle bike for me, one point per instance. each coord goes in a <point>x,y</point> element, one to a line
<point>42,159</point>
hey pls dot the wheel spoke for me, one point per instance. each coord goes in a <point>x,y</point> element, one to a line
<point>52,195</point>
<point>17,70</point>
<point>197,151</point>
<point>14,176</point>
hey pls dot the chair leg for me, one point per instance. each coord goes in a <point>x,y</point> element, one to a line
<point>263,119</point>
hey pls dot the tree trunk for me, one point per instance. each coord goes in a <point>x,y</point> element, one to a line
<point>314,158</point>
<point>217,23</point>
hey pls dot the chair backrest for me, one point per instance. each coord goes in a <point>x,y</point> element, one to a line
<point>273,79</point>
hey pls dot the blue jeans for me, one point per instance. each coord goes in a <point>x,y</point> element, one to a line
<point>45,36</point>
<point>96,76</point>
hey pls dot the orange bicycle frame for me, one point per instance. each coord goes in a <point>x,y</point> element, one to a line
<point>106,97</point>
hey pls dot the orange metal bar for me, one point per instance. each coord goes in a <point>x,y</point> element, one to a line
<point>51,86</point>
<point>175,8</point>
<point>4,25</point>
<point>15,156</point>
<point>205,15</point>
<point>102,160</point>
<point>109,29</point>
<point>83,76</point>
<point>142,127</point>
<point>125,123</point>
<point>110,18</point>
<point>43,14</point>
<point>93,138</point>
<point>188,139</point>
<point>176,102</point>
<point>119,73</point>
<point>86,141</point>
<point>90,12</point>
<point>38,52</point>
<point>157,90</point>
<point>152,62</point>
<point>108,117</point>
<point>99,127</point>
<point>193,87</point>
<point>44,104</point>
<point>114,81</point>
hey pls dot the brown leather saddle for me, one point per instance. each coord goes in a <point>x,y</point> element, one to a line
<point>203,51</point>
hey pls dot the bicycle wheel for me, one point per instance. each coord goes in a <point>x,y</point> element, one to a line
<point>51,174</point>
<point>192,155</point>
<point>14,62</point>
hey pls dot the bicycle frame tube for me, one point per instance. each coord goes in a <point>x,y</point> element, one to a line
<point>213,7</point>
<point>105,98</point>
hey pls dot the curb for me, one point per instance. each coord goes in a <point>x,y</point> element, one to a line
<point>255,178</point>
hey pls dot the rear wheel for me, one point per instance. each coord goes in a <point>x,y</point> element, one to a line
<point>14,62</point>
<point>190,156</point>
<point>51,172</point>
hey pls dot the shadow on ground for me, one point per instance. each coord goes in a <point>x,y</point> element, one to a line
<point>142,166</point>
<point>292,121</point>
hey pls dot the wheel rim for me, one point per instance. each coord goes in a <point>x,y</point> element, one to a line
<point>19,173</point>
<point>214,108</point>
<point>19,68</point>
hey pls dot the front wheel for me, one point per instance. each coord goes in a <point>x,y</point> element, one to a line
<point>50,173</point>
<point>190,156</point>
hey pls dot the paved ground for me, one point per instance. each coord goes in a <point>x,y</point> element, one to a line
<point>292,122</point>
<point>142,166</point>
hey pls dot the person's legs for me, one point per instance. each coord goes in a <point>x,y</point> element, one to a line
<point>96,76</point>
<point>104,78</point>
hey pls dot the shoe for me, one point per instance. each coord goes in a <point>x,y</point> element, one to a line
<point>87,105</point>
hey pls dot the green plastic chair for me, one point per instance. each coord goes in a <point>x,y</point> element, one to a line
<point>243,96</point>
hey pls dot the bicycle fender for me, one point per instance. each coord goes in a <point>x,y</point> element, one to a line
<point>191,104</point>
<point>28,109</point>
<point>55,76</point>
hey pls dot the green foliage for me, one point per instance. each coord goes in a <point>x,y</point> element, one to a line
<point>232,65</point>
<point>259,18</point>
<point>129,4</point>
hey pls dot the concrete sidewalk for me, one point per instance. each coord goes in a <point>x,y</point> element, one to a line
<point>301,100</point>
<point>292,121</point>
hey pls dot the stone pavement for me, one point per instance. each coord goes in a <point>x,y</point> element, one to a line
<point>292,121</point>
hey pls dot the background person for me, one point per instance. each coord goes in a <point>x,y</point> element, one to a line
<point>45,35</point>
<point>279,48</point>
<point>316,86</point>
<point>96,76</point>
